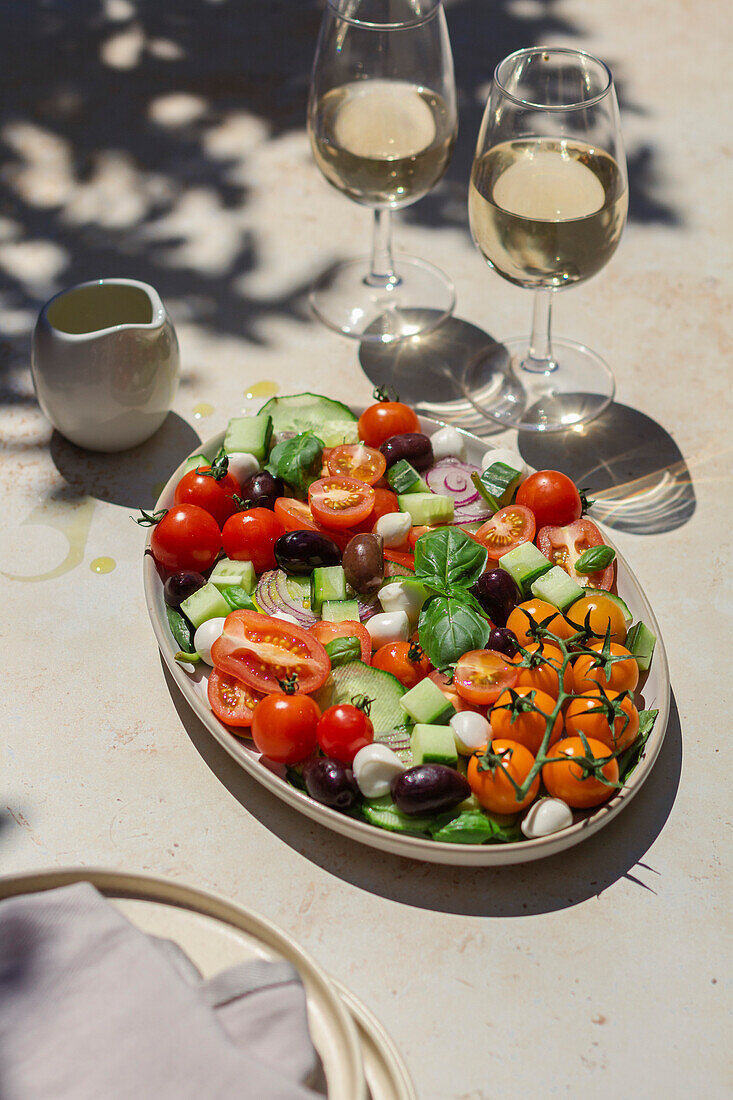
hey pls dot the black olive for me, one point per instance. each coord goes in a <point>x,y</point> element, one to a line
<point>363,563</point>
<point>429,788</point>
<point>413,446</point>
<point>302,551</point>
<point>262,489</point>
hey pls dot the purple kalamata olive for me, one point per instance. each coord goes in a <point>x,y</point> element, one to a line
<point>300,552</point>
<point>503,640</point>
<point>179,586</point>
<point>363,563</point>
<point>413,446</point>
<point>262,490</point>
<point>329,782</point>
<point>498,594</point>
<point>429,788</point>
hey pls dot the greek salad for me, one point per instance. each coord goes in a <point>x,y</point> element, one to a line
<point>432,646</point>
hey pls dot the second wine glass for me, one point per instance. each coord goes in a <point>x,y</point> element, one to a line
<point>382,121</point>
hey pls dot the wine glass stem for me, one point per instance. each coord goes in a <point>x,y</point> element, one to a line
<point>539,358</point>
<point>381,268</point>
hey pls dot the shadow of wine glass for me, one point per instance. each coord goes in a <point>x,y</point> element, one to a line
<point>544,886</point>
<point>633,469</point>
<point>131,478</point>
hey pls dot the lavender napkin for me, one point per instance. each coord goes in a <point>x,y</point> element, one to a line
<point>91,1008</point>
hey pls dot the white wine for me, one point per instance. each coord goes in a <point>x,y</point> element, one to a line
<point>384,143</point>
<point>547,212</point>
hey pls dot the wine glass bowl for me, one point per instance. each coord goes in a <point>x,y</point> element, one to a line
<point>547,204</point>
<point>382,121</point>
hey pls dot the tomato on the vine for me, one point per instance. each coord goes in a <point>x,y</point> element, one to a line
<point>552,497</point>
<point>340,501</point>
<point>481,675</point>
<point>187,537</point>
<point>231,701</point>
<point>385,419</point>
<point>574,784</point>
<point>251,536</point>
<point>592,713</point>
<point>544,676</point>
<point>264,653</point>
<point>404,660</point>
<point>564,546</point>
<point>214,493</point>
<point>284,727</point>
<point>507,529</point>
<point>344,729</point>
<point>622,675</point>
<point>358,461</point>
<point>528,726</point>
<point>493,789</point>
<point>535,612</point>
<point>599,613</point>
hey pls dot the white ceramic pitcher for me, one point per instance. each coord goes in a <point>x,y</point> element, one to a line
<point>105,363</point>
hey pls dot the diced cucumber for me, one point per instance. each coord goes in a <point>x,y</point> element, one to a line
<point>332,422</point>
<point>354,679</point>
<point>426,703</point>
<point>384,813</point>
<point>525,563</point>
<point>497,484</point>
<point>251,434</point>
<point>340,611</point>
<point>238,598</point>
<point>205,603</point>
<point>404,478</point>
<point>641,641</point>
<point>557,588</point>
<point>433,745</point>
<point>426,509</point>
<point>328,582</point>
<point>227,572</point>
<point>194,462</point>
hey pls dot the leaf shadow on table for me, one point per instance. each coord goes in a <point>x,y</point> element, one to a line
<point>542,886</point>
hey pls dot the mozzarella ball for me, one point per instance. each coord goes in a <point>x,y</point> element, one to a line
<point>546,816</point>
<point>448,443</point>
<point>205,636</point>
<point>374,768</point>
<point>392,626</point>
<point>471,731</point>
<point>508,456</point>
<point>394,527</point>
<point>242,465</point>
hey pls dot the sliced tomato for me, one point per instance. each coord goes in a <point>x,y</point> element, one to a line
<point>449,690</point>
<point>295,515</point>
<point>415,533</point>
<point>564,545</point>
<point>356,460</point>
<point>264,652</point>
<point>507,528</point>
<point>231,701</point>
<point>340,501</point>
<point>400,557</point>
<point>481,675</point>
<point>325,632</point>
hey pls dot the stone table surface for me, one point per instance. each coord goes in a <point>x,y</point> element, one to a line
<point>166,143</point>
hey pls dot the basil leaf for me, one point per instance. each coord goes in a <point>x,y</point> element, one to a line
<point>595,558</point>
<point>343,650</point>
<point>448,557</point>
<point>297,461</point>
<point>473,827</point>
<point>448,628</point>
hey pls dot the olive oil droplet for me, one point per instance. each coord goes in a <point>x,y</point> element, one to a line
<point>203,409</point>
<point>103,565</point>
<point>262,389</point>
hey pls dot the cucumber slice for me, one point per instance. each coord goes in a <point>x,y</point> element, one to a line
<point>433,745</point>
<point>384,813</point>
<point>194,462</point>
<point>332,422</point>
<point>426,704</point>
<point>250,434</point>
<point>383,689</point>
<point>557,587</point>
<point>340,611</point>
<point>426,509</point>
<point>641,641</point>
<point>525,563</point>
<point>206,603</point>
<point>404,478</point>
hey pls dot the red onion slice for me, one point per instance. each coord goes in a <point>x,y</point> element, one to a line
<point>451,477</point>
<point>275,597</point>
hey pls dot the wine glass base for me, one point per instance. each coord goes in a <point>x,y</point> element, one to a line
<point>418,300</point>
<point>576,391</point>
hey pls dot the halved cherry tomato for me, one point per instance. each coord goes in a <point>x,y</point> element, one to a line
<point>284,727</point>
<point>590,713</point>
<point>385,502</point>
<point>400,557</point>
<point>325,632</point>
<point>623,675</point>
<point>342,730</point>
<point>251,536</point>
<point>564,545</point>
<point>571,782</point>
<point>600,613</point>
<point>528,727</point>
<point>231,701</point>
<point>386,418</point>
<point>481,675</point>
<point>295,515</point>
<point>448,688</point>
<point>552,496</point>
<point>536,612</point>
<point>213,494</point>
<point>405,660</point>
<point>187,537</point>
<point>262,652</point>
<point>340,501</point>
<point>493,789</point>
<point>356,460</point>
<point>507,528</point>
<point>544,676</point>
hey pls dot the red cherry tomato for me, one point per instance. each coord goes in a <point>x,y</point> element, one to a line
<point>405,660</point>
<point>358,461</point>
<point>251,536</point>
<point>262,652</point>
<point>449,690</point>
<point>231,701</point>
<point>343,730</point>
<point>552,497</point>
<point>481,675</point>
<point>212,494</point>
<point>340,501</point>
<point>187,537</point>
<point>509,527</point>
<point>284,727</point>
<point>386,418</point>
<point>385,502</point>
<point>564,545</point>
<point>325,632</point>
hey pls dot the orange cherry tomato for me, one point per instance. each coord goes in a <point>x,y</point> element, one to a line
<point>590,713</point>
<point>385,419</point>
<point>481,675</point>
<point>405,660</point>
<point>600,612</point>
<point>544,676</point>
<point>494,790</point>
<point>528,727</point>
<point>325,632</point>
<point>358,461</point>
<point>571,782</point>
<point>340,501</point>
<point>507,528</point>
<point>622,675</point>
<point>231,701</point>
<point>537,611</point>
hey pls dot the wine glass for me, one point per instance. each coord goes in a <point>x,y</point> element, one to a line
<point>382,121</point>
<point>547,204</point>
